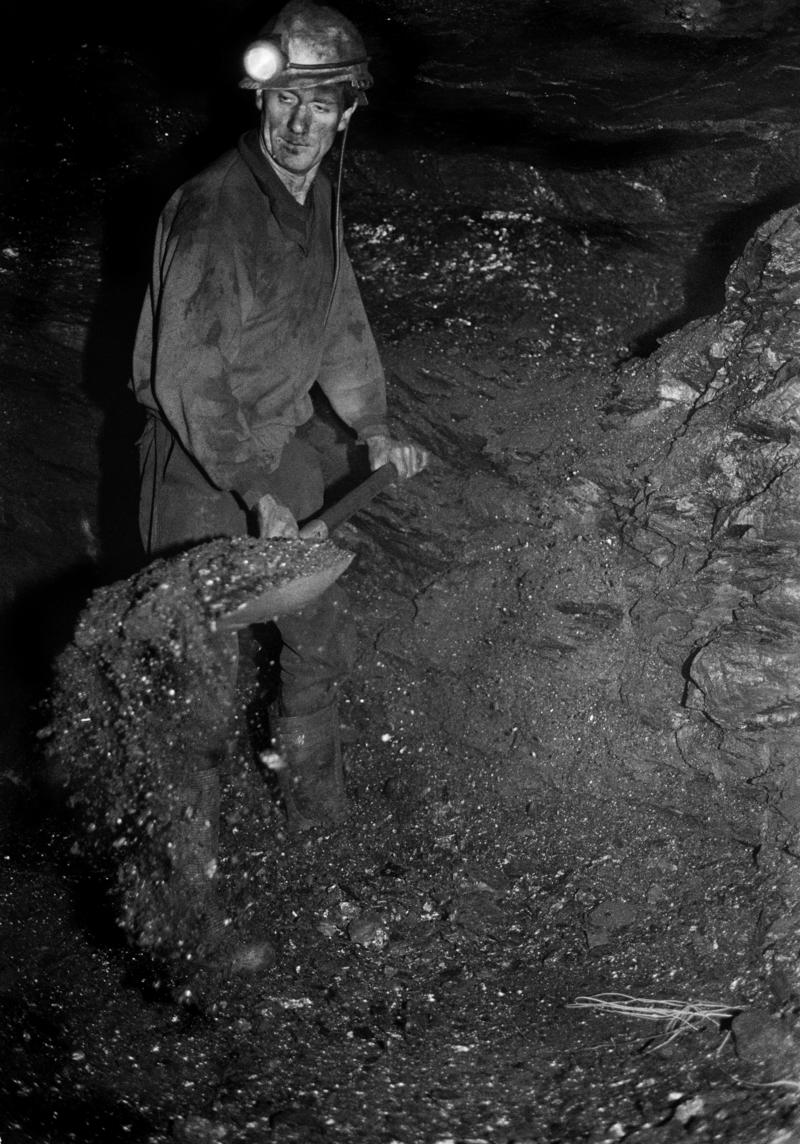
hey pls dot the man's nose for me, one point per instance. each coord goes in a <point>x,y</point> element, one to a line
<point>298,120</point>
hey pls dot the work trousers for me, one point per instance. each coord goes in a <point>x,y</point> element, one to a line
<point>178,507</point>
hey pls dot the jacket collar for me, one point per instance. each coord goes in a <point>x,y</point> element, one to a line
<point>295,219</point>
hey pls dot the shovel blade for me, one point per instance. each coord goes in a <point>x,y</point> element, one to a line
<point>273,597</point>
<point>268,601</point>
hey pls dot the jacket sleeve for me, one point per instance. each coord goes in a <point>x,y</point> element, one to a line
<point>202,291</point>
<point>351,375</point>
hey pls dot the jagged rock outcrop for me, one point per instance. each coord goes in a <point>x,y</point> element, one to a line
<point>710,522</point>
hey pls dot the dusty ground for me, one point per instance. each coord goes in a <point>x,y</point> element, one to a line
<point>519,838</point>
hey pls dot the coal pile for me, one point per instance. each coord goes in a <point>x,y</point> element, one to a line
<point>143,702</point>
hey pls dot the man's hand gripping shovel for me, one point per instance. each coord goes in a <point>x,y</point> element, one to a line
<point>298,591</point>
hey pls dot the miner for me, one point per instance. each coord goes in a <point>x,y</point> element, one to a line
<point>252,301</point>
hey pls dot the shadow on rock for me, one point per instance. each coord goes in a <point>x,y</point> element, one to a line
<point>707,272</point>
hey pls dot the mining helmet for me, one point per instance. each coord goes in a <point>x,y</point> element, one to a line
<point>306,45</point>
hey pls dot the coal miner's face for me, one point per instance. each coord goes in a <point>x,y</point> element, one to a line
<point>299,127</point>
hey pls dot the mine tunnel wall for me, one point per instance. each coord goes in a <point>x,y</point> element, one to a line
<point>711,527</point>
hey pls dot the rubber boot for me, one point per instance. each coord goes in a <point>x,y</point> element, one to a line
<point>312,776</point>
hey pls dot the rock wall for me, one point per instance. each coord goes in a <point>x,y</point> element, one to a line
<point>662,121</point>
<point>709,512</point>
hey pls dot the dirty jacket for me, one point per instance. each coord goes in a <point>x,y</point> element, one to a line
<point>233,331</point>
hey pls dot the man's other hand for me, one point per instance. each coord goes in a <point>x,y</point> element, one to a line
<point>406,457</point>
<point>275,520</point>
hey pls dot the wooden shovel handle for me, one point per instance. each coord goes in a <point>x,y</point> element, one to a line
<point>359,497</point>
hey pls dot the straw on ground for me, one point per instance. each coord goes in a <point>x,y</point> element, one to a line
<point>677,1016</point>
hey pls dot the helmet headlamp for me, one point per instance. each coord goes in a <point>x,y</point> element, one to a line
<point>265,59</point>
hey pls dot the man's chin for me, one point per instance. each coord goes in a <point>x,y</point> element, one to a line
<point>297,163</point>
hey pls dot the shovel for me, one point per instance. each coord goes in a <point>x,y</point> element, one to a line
<point>298,590</point>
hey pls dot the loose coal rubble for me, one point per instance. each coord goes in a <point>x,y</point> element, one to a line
<point>141,696</point>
